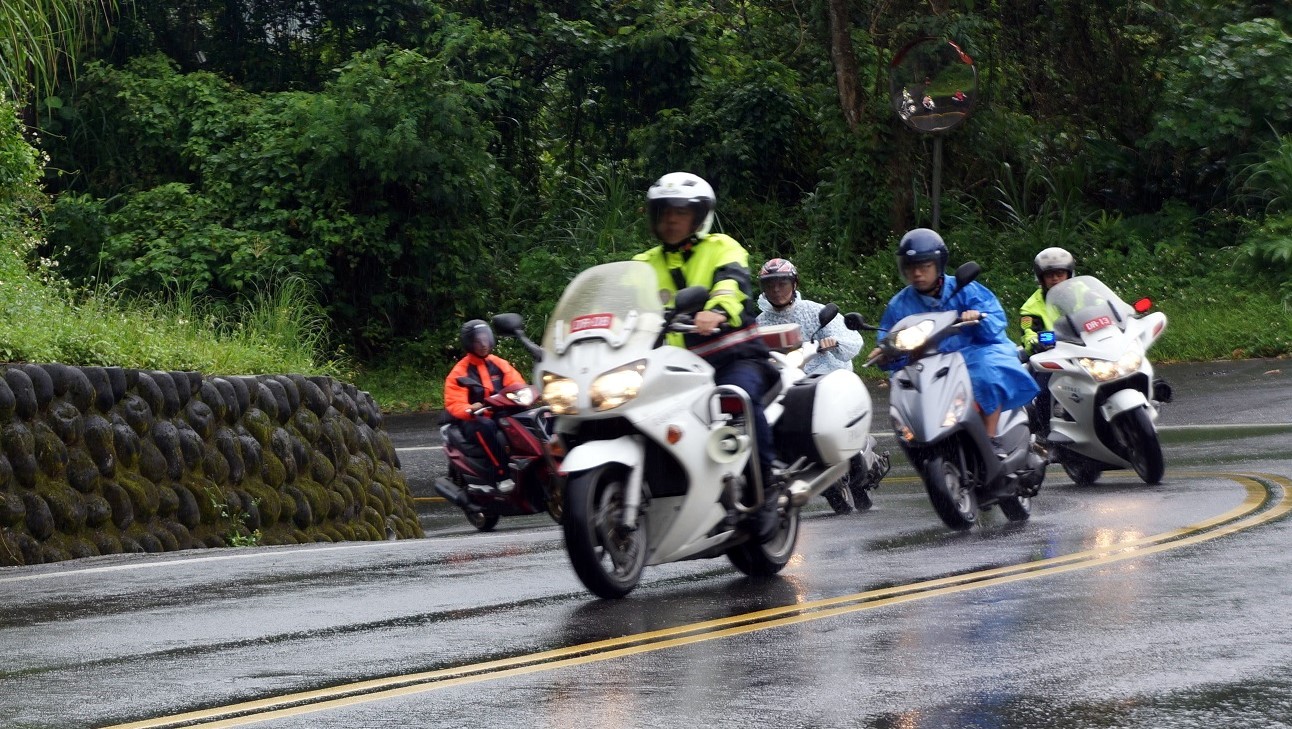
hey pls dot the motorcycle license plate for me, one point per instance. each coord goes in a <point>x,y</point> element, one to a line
<point>591,321</point>
<point>1098,323</point>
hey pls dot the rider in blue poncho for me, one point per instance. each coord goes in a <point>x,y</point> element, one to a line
<point>999,381</point>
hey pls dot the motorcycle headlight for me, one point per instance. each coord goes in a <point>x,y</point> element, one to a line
<point>912,338</point>
<point>957,409</point>
<point>1103,370</point>
<point>560,393</point>
<point>523,398</point>
<point>618,386</point>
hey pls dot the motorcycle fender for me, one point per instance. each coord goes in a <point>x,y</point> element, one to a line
<point>1122,401</point>
<point>625,450</point>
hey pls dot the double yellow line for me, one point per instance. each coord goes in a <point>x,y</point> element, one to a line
<point>1269,497</point>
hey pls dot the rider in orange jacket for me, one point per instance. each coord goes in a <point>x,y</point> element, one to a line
<point>492,373</point>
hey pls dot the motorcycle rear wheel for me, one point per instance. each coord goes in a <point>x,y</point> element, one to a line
<point>765,560</point>
<point>953,499</point>
<point>608,558</point>
<point>1143,449</point>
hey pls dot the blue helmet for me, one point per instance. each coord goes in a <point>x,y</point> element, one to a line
<point>919,245</point>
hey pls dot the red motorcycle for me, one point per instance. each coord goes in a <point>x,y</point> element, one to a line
<point>536,482</point>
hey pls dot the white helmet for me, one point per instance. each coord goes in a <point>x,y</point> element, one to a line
<point>1054,259</point>
<point>682,189</point>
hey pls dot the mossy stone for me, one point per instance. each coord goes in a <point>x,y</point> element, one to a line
<point>190,445</point>
<point>99,436</point>
<point>282,409</point>
<point>210,497</point>
<point>313,396</point>
<point>262,398</point>
<point>6,471</point>
<point>107,543</point>
<point>281,444</point>
<point>145,495</point>
<point>170,393</point>
<point>81,548</point>
<point>151,393</point>
<point>259,424</point>
<point>130,545</point>
<point>167,501</point>
<point>151,544</point>
<point>118,380</point>
<point>136,411</point>
<point>249,447</point>
<point>12,511</point>
<point>51,453</point>
<point>336,504</point>
<point>307,424</point>
<point>97,511</point>
<point>214,465</point>
<point>125,444</point>
<point>378,498</point>
<point>272,470</point>
<point>24,393</point>
<point>209,395</point>
<point>82,474</point>
<point>187,512</point>
<point>163,535</point>
<point>183,538</point>
<point>73,384</point>
<point>152,464</point>
<point>226,442</point>
<point>200,418</point>
<point>7,401</point>
<point>241,394</point>
<point>302,515</point>
<point>322,470</point>
<point>269,502</point>
<point>166,436</point>
<point>39,518</point>
<point>232,411</point>
<point>123,510</point>
<point>41,384</point>
<point>66,506</point>
<point>102,388</point>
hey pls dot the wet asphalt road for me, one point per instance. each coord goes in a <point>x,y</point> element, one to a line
<point>882,619</point>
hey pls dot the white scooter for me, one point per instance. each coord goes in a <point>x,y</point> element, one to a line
<point>1104,398</point>
<point>867,468</point>
<point>662,463</point>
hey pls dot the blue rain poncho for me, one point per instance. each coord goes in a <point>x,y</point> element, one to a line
<point>999,380</point>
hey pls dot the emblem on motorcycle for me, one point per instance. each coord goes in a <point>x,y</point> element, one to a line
<point>591,321</point>
<point>1098,323</point>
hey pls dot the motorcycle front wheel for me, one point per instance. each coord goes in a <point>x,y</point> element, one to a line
<point>607,557</point>
<point>952,498</point>
<point>765,560</point>
<point>1142,447</point>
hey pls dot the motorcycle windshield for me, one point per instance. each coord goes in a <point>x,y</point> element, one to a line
<point>1085,305</point>
<point>618,303</point>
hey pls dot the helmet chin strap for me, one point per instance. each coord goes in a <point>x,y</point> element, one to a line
<point>936,287</point>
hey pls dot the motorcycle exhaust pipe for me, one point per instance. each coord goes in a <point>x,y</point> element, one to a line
<point>451,492</point>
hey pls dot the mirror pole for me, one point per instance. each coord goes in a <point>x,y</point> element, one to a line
<point>937,180</point>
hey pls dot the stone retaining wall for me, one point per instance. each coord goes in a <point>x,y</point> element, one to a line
<point>103,460</point>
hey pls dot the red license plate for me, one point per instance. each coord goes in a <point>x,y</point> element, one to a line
<point>591,321</point>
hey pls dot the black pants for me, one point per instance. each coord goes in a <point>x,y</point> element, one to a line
<point>483,436</point>
<point>755,378</point>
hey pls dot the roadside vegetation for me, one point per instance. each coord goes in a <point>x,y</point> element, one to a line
<point>275,186</point>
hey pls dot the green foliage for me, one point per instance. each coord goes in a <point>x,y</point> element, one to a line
<point>235,519</point>
<point>1267,253</point>
<point>1269,181</point>
<point>1222,90</point>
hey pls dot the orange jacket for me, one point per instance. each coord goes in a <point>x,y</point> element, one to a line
<point>493,372</point>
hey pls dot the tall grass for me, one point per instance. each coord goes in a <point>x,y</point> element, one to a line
<point>278,328</point>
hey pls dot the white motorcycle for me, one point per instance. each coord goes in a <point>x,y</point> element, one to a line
<point>1104,398</point>
<point>661,462</point>
<point>867,468</point>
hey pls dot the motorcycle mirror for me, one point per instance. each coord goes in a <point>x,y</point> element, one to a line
<point>857,322</point>
<point>508,324</point>
<point>1143,305</point>
<point>965,274</point>
<point>468,382</point>
<point>690,299</point>
<point>827,314</point>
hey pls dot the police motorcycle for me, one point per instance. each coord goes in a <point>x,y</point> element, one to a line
<point>938,425</point>
<point>1104,398</point>
<point>867,468</point>
<point>661,462</point>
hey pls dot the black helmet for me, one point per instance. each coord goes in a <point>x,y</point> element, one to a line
<point>476,330</point>
<point>919,245</point>
<point>1054,259</point>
